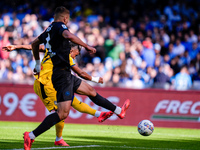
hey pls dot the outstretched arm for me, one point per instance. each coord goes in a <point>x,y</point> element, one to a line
<point>26,47</point>
<point>35,49</point>
<point>86,76</point>
<point>68,35</point>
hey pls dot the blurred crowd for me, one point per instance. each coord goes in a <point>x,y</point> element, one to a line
<point>140,44</point>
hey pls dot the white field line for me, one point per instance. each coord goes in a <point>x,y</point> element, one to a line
<point>121,147</point>
<point>109,131</point>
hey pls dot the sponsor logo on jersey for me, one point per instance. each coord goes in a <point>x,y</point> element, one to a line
<point>64,26</point>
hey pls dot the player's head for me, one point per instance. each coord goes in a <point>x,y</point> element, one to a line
<point>61,14</point>
<point>75,49</point>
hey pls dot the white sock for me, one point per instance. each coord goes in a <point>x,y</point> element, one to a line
<point>31,135</point>
<point>117,110</point>
<point>58,138</point>
<point>97,114</point>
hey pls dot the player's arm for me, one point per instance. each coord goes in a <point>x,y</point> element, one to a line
<point>68,35</point>
<point>35,49</point>
<point>86,76</point>
<point>26,47</point>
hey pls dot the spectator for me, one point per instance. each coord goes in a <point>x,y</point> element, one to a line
<point>193,37</point>
<point>164,36</point>
<point>14,31</point>
<point>135,82</point>
<point>175,17</point>
<point>178,49</point>
<point>193,51</point>
<point>4,42</point>
<point>122,40</point>
<point>183,80</point>
<point>148,53</point>
<point>162,80</point>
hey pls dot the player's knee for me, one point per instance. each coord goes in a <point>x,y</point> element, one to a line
<point>92,92</point>
<point>63,115</point>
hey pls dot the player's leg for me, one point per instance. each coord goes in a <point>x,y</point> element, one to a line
<point>84,108</point>
<point>63,109</point>
<point>47,95</point>
<point>50,102</point>
<point>48,122</point>
<point>59,128</point>
<point>86,89</point>
<point>78,85</point>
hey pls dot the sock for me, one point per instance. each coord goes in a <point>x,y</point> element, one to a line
<point>31,135</point>
<point>82,107</point>
<point>47,123</point>
<point>58,138</point>
<point>117,110</point>
<point>103,102</point>
<point>97,114</point>
<point>59,128</point>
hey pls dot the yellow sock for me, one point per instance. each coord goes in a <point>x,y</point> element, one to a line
<point>59,128</point>
<point>82,107</point>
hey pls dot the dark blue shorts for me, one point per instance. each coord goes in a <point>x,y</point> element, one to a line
<point>65,84</point>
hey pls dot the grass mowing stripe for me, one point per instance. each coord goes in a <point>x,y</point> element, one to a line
<point>104,137</point>
<point>73,147</point>
<point>106,131</point>
<point>172,117</point>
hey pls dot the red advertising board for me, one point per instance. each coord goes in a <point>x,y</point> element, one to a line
<point>180,109</point>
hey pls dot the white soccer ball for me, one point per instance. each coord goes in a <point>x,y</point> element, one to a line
<point>145,127</point>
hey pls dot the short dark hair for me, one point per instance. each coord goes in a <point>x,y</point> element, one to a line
<point>61,10</point>
<point>75,45</point>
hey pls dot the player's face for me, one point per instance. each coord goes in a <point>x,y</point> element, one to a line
<point>74,52</point>
<point>66,19</point>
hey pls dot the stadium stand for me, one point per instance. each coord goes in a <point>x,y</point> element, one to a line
<point>140,44</point>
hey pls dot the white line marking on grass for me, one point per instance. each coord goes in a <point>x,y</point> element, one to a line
<point>83,146</point>
<point>67,147</point>
<point>110,131</point>
<point>58,147</point>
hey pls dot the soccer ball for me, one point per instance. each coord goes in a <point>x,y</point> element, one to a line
<point>145,127</point>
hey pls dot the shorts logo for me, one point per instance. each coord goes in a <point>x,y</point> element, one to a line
<point>67,93</point>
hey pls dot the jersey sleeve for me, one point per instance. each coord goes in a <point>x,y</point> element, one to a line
<point>62,27</point>
<point>42,37</point>
<point>71,61</point>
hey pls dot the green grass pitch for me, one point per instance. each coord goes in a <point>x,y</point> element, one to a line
<point>100,137</point>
